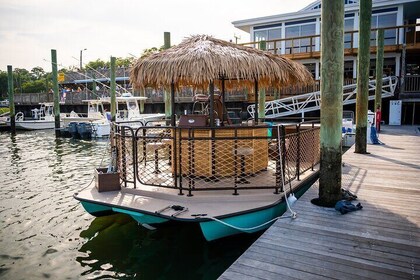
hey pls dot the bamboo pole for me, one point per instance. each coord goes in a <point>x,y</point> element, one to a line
<point>379,68</point>
<point>113,90</point>
<point>56,92</point>
<point>261,95</point>
<point>332,72</point>
<point>363,60</point>
<point>167,94</point>
<point>11,99</point>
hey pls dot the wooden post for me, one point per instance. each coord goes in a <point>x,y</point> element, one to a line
<point>142,93</point>
<point>56,93</point>
<point>11,98</point>
<point>256,101</point>
<point>113,91</point>
<point>332,72</point>
<point>167,95</point>
<point>211,113</point>
<point>363,60</point>
<point>261,95</point>
<point>379,68</point>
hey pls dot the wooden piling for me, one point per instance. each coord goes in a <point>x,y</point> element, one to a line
<point>113,90</point>
<point>56,92</point>
<point>11,99</point>
<point>167,93</point>
<point>379,68</point>
<point>363,60</point>
<point>332,73</point>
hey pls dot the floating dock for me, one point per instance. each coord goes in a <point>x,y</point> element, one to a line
<point>382,241</point>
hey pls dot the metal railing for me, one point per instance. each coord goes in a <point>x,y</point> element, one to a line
<point>235,158</point>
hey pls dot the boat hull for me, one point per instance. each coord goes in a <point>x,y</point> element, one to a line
<point>34,125</point>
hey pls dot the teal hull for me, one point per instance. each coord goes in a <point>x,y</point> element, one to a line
<point>97,210</point>
<point>213,230</point>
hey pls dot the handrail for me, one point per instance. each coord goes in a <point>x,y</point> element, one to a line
<point>313,44</point>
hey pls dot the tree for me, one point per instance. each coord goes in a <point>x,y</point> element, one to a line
<point>3,84</point>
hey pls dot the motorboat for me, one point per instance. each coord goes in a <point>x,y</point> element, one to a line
<point>42,118</point>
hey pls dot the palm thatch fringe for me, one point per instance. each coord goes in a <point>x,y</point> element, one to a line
<point>200,59</point>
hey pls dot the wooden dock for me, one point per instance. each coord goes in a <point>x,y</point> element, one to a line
<point>382,241</point>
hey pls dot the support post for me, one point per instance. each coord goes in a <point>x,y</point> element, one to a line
<point>167,95</point>
<point>172,108</point>
<point>211,92</point>
<point>363,60</point>
<point>113,90</point>
<point>11,98</point>
<point>56,93</point>
<point>379,68</point>
<point>332,72</point>
<point>261,95</point>
<point>256,101</point>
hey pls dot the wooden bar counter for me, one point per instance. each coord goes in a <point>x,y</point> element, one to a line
<point>222,157</point>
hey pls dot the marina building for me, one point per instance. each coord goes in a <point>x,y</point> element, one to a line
<point>297,36</point>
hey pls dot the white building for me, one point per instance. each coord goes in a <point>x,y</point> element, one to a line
<point>297,36</point>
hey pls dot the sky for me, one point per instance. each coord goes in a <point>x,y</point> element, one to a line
<point>29,29</point>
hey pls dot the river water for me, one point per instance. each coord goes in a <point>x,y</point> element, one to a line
<point>45,233</point>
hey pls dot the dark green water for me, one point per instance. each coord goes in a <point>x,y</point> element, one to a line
<point>45,233</point>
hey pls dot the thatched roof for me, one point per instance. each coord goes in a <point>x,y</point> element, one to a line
<point>200,59</point>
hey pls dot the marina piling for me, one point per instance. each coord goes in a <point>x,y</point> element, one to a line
<point>56,92</point>
<point>113,90</point>
<point>332,73</point>
<point>379,67</point>
<point>11,99</point>
<point>363,60</point>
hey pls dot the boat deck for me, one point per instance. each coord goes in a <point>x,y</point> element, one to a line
<point>151,199</point>
<point>382,241</point>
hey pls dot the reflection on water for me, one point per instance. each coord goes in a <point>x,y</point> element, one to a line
<point>45,233</point>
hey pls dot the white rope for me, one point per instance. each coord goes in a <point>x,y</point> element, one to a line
<point>293,213</point>
<point>251,228</point>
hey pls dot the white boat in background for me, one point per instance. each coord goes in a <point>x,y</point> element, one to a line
<point>42,118</point>
<point>131,111</point>
<point>97,122</point>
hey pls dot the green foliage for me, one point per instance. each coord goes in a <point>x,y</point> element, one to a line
<point>37,80</point>
<point>150,51</point>
<point>4,110</point>
<point>3,84</point>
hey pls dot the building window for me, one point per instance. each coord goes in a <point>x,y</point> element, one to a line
<point>348,26</point>
<point>300,45</point>
<point>388,70</point>
<point>268,35</point>
<point>382,21</point>
<point>348,71</point>
<point>311,68</point>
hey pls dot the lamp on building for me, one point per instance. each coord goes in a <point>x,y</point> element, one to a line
<point>81,58</point>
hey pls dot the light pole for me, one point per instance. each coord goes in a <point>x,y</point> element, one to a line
<point>81,58</point>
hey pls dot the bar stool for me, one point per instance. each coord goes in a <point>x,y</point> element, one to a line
<point>155,146</point>
<point>243,152</point>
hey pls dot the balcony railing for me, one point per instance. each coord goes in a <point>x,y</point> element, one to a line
<point>395,37</point>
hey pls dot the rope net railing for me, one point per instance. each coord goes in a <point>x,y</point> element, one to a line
<point>230,159</point>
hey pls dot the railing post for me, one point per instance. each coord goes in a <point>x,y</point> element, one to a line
<point>298,153</point>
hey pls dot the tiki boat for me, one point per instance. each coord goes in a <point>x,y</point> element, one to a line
<point>200,168</point>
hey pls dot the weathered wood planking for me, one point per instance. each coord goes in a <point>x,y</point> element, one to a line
<point>382,241</point>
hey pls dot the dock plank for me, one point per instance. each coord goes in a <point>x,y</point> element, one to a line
<point>382,241</point>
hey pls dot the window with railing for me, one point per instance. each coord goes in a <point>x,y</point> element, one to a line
<point>382,20</point>
<point>302,44</point>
